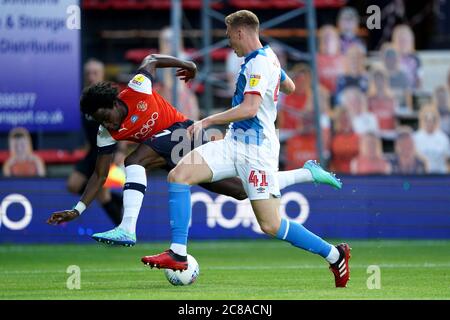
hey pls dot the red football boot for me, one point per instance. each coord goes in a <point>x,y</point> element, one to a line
<point>340,269</point>
<point>166,260</point>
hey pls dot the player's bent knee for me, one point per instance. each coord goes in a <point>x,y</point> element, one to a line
<point>269,228</point>
<point>130,160</point>
<point>178,176</point>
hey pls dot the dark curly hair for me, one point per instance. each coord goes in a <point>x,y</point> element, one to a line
<point>98,96</point>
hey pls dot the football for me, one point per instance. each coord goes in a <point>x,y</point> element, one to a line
<point>185,277</point>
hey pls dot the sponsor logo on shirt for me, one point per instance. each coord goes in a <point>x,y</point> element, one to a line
<point>254,80</point>
<point>261,190</point>
<point>147,128</point>
<point>138,79</point>
<point>142,106</point>
<point>134,118</point>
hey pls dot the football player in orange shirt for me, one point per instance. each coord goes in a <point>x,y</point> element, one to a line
<point>140,114</point>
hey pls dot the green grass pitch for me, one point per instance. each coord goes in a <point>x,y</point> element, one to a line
<point>261,269</point>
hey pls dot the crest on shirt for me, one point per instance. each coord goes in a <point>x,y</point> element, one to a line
<point>138,79</point>
<point>254,80</point>
<point>142,106</point>
<point>134,118</point>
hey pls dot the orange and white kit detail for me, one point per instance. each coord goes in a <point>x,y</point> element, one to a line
<point>148,114</point>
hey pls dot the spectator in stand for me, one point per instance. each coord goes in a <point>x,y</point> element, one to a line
<point>330,60</point>
<point>355,72</point>
<point>403,42</point>
<point>22,162</point>
<point>297,110</point>
<point>398,80</point>
<point>348,24</point>
<point>291,111</point>
<point>406,160</point>
<point>296,119</point>
<point>441,100</point>
<point>370,159</point>
<point>356,103</point>
<point>381,101</point>
<point>187,100</point>
<point>431,142</point>
<point>344,143</point>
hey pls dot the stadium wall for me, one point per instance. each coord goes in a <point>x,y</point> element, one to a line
<point>404,207</point>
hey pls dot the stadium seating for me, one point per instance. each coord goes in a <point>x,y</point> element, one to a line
<point>197,4</point>
<point>144,4</point>
<point>52,156</point>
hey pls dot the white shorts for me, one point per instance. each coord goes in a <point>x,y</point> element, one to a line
<point>257,166</point>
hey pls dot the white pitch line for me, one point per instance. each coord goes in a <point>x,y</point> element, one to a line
<point>288,267</point>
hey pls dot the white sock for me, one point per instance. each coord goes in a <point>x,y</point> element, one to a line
<point>287,178</point>
<point>133,194</point>
<point>179,249</point>
<point>333,256</point>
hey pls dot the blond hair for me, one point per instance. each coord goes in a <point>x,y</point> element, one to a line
<point>243,18</point>
<point>17,133</point>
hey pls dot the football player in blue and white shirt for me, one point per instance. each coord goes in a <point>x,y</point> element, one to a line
<point>250,150</point>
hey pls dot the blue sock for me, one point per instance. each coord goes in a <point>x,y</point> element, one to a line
<point>299,236</point>
<point>179,211</point>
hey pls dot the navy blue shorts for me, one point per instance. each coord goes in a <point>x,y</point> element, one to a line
<point>165,141</point>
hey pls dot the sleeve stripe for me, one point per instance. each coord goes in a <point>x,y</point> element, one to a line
<point>253,92</point>
<point>283,75</point>
<point>107,149</point>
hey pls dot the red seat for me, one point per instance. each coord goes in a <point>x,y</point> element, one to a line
<point>283,4</point>
<point>130,4</point>
<point>197,4</point>
<point>52,156</point>
<point>251,4</point>
<point>59,156</point>
<point>299,149</point>
<point>220,54</point>
<point>160,4</point>
<point>4,154</point>
<point>96,4</point>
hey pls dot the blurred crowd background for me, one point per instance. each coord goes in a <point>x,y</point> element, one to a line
<point>383,94</point>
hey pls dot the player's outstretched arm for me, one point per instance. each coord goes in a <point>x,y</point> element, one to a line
<point>187,70</point>
<point>247,109</point>
<point>287,86</point>
<point>95,183</point>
